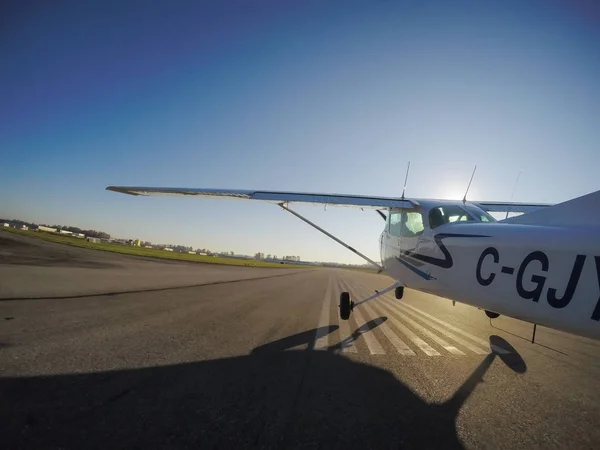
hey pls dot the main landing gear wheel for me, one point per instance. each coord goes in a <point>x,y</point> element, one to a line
<point>399,292</point>
<point>346,305</point>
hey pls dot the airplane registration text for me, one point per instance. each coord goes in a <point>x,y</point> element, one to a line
<point>540,259</point>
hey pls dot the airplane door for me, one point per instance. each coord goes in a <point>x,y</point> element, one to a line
<point>406,229</point>
<point>386,241</point>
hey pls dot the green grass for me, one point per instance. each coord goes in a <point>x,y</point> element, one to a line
<point>147,252</point>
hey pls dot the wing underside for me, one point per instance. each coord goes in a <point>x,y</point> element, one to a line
<point>359,201</point>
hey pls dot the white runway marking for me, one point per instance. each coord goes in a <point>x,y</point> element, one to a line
<point>424,324</point>
<point>366,332</point>
<point>398,343</point>
<point>445,345</point>
<point>459,331</point>
<point>347,341</point>
<point>461,341</point>
<point>322,334</point>
<point>423,346</point>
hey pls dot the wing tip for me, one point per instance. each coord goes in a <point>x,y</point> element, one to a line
<point>121,189</point>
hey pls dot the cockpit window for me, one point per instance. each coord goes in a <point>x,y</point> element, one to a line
<point>480,214</point>
<point>406,223</point>
<point>446,214</point>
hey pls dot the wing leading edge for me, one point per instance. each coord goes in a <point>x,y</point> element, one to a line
<point>358,201</point>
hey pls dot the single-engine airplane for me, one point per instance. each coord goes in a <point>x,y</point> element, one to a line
<point>542,266</point>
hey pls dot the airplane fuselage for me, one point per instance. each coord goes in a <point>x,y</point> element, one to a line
<point>547,275</point>
<point>542,266</point>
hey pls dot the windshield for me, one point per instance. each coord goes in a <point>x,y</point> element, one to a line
<point>446,214</point>
<point>480,214</point>
<point>454,213</point>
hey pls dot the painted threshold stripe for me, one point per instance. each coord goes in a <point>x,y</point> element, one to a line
<point>480,341</point>
<point>398,343</point>
<point>367,333</point>
<point>448,334</point>
<point>445,345</point>
<point>423,346</point>
<point>322,334</point>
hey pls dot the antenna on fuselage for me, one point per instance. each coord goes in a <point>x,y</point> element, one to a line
<point>472,175</point>
<point>513,191</point>
<point>405,180</point>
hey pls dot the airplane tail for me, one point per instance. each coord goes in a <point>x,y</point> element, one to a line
<point>580,211</point>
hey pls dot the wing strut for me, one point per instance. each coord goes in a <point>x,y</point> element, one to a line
<point>283,205</point>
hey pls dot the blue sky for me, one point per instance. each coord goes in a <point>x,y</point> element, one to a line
<point>318,96</point>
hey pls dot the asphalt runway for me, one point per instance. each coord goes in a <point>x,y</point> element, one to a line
<point>261,360</point>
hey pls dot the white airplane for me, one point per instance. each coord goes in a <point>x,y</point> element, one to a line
<point>542,266</point>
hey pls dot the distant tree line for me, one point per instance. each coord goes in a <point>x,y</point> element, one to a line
<point>90,233</point>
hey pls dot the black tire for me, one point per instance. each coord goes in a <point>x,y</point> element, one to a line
<point>399,292</point>
<point>345,306</point>
<point>491,314</point>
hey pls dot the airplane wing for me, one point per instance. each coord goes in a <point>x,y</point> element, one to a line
<point>511,207</point>
<point>358,201</point>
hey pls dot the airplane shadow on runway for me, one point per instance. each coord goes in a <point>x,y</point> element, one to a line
<point>271,398</point>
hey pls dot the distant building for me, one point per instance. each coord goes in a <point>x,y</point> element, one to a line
<point>93,240</point>
<point>46,229</point>
<point>168,249</point>
<point>66,232</point>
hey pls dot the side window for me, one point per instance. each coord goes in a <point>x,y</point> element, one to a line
<point>395,223</point>
<point>406,224</point>
<point>414,223</point>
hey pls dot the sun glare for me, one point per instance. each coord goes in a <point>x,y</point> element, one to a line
<point>452,193</point>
